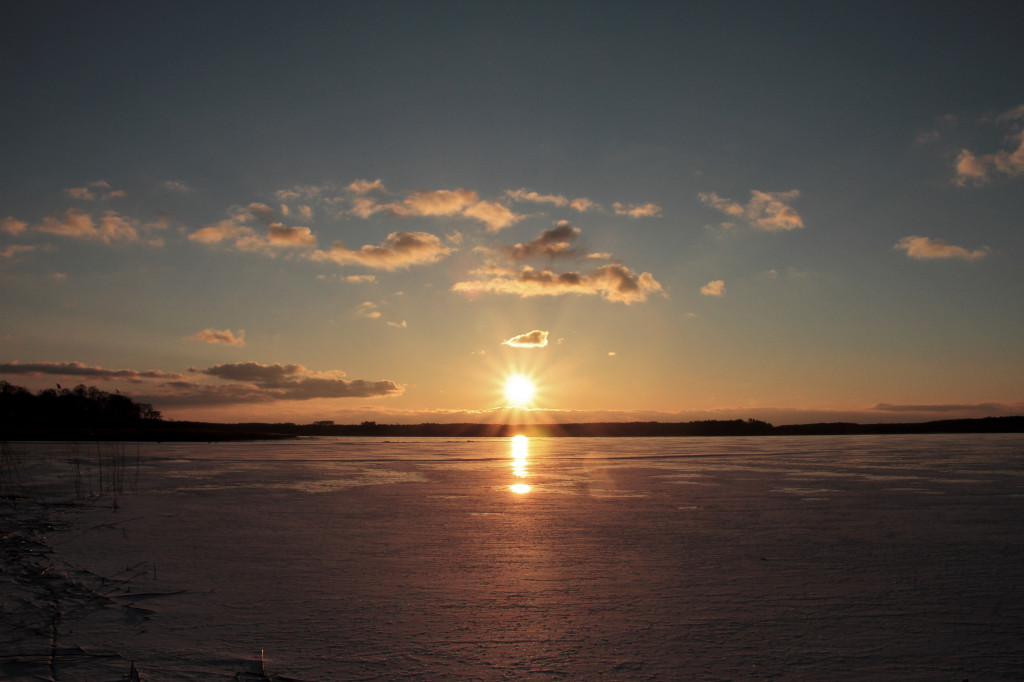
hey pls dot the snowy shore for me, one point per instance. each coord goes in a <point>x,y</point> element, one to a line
<point>810,558</point>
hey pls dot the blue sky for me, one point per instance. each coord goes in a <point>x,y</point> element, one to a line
<point>786,211</point>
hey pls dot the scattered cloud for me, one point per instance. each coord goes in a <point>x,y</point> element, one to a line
<point>637,210</point>
<point>767,211</point>
<point>986,409</point>
<point>224,336</point>
<point>713,288</point>
<point>297,237</point>
<point>98,189</point>
<point>295,382</point>
<point>12,226</point>
<point>265,213</point>
<point>612,282</point>
<point>177,186</point>
<point>535,339</point>
<point>365,186</point>
<point>15,251</point>
<point>923,248</point>
<point>979,169</point>
<point>461,203</point>
<point>554,243</point>
<point>305,192</point>
<point>359,279</point>
<point>580,204</point>
<point>399,250</point>
<point>235,231</point>
<point>77,369</point>
<point>109,227</point>
<point>368,309</point>
<point>399,325</point>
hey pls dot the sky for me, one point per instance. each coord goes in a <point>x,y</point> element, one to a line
<point>351,211</point>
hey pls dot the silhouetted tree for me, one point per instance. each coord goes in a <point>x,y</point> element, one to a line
<point>62,407</point>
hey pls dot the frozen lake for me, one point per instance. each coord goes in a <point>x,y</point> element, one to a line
<point>874,557</point>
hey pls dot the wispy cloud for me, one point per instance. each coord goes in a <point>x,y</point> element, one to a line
<point>109,227</point>
<point>177,186</point>
<point>578,204</point>
<point>978,169</point>
<point>368,309</point>
<point>923,248</point>
<point>15,251</point>
<point>637,210</point>
<point>223,336</point>
<point>98,189</point>
<point>714,288</point>
<point>461,203</point>
<point>537,338</point>
<point>612,282</point>
<point>400,250</point>
<point>295,382</point>
<point>986,409</point>
<point>13,226</point>
<point>77,369</point>
<point>767,211</point>
<point>235,231</point>
<point>366,186</point>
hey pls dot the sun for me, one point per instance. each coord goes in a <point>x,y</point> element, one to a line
<point>519,390</point>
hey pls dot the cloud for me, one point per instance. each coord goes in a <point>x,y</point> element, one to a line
<point>14,251</point>
<point>400,325</point>
<point>95,189</point>
<point>535,339</point>
<point>637,210</point>
<point>980,408</point>
<point>295,382</point>
<point>923,248</point>
<point>109,228</point>
<point>177,186</point>
<point>365,186</point>
<point>225,230</point>
<point>612,282</point>
<point>494,215</point>
<point>399,250</point>
<point>462,203</point>
<point>767,211</point>
<point>235,232</point>
<point>13,226</point>
<point>225,337</point>
<point>77,369</point>
<point>298,237</point>
<point>265,213</point>
<point>979,169</point>
<point>713,288</point>
<point>359,279</point>
<point>553,243</point>
<point>579,204</point>
<point>368,309</point>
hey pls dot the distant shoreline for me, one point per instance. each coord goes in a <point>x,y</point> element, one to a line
<point>162,431</point>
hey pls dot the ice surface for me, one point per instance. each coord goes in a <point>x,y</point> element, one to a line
<point>882,557</point>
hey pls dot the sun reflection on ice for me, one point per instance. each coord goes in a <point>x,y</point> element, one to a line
<point>520,454</point>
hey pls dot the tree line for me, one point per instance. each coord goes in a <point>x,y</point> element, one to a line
<point>80,406</point>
